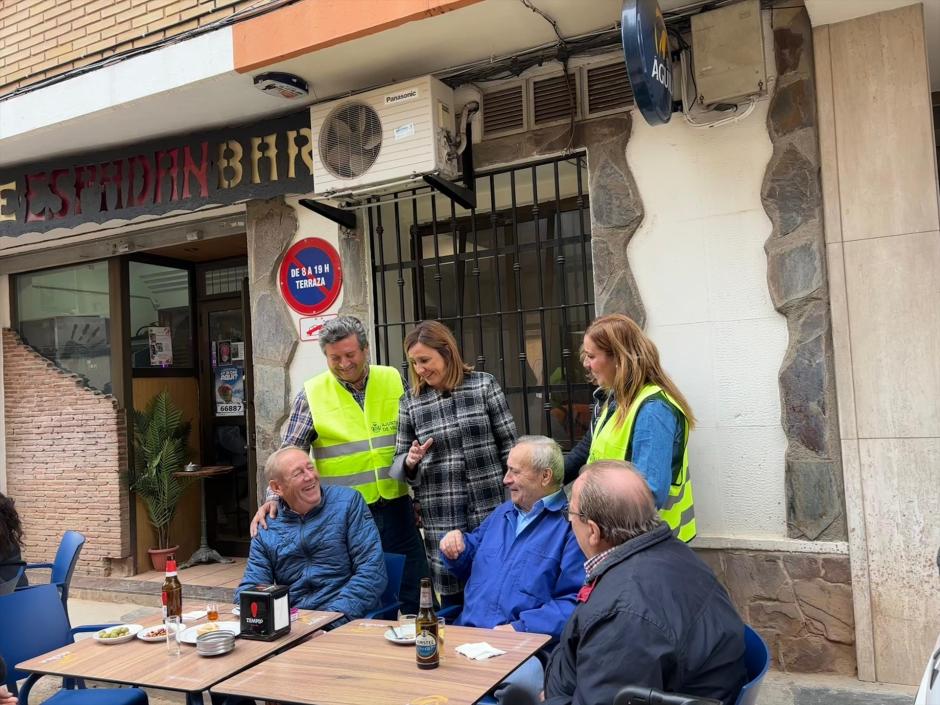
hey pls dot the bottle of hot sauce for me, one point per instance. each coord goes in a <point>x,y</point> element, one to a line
<point>172,591</point>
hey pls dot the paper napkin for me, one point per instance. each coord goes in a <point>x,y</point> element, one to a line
<point>479,651</point>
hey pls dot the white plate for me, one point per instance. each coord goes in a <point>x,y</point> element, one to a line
<point>189,635</point>
<point>390,635</point>
<point>147,634</point>
<point>132,630</point>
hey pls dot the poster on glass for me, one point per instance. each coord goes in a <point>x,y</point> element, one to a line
<point>229,390</point>
<point>161,346</point>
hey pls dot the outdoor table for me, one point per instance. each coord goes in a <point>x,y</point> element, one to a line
<point>355,664</point>
<point>149,664</point>
<point>205,554</point>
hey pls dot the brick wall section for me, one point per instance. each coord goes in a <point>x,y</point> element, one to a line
<point>66,448</point>
<point>44,38</point>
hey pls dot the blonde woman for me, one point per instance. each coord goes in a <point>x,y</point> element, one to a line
<point>639,416</point>
<point>454,436</point>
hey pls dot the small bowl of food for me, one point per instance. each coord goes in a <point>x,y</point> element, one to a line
<point>117,634</point>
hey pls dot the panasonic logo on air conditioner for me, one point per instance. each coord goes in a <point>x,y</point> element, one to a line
<point>395,98</point>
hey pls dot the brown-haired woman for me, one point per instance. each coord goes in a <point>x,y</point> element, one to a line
<point>639,415</point>
<point>454,435</point>
<point>11,539</point>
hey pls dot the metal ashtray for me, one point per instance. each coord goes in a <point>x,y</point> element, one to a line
<point>215,643</point>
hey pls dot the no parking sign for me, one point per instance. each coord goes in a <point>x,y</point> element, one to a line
<point>311,276</point>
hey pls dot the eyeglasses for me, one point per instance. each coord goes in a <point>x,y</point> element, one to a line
<point>568,514</point>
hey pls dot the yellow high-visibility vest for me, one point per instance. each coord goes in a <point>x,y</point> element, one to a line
<point>355,446</point>
<point>611,443</point>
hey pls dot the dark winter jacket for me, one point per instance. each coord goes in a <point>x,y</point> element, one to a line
<point>656,617</point>
<point>331,557</point>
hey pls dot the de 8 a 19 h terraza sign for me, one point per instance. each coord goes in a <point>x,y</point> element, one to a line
<point>311,276</point>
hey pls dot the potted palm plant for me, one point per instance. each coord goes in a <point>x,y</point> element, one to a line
<point>160,450</point>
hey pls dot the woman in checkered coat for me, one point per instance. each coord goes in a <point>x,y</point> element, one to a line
<point>454,435</point>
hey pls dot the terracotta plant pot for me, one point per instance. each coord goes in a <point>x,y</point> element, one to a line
<point>158,556</point>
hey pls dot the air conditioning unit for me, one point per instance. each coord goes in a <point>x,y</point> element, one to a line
<point>383,139</point>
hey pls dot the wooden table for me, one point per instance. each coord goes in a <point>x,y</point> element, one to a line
<point>205,554</point>
<point>149,664</point>
<point>354,664</point>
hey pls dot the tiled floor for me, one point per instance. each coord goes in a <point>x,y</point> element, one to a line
<point>226,575</point>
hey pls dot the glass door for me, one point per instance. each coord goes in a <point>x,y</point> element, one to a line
<point>223,375</point>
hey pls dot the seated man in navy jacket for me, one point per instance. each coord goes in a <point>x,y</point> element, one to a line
<point>323,544</point>
<point>651,614</point>
<point>522,565</point>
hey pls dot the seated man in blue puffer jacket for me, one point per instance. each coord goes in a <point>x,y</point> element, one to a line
<point>323,544</point>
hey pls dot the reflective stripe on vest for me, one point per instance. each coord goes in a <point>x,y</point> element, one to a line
<point>611,443</point>
<point>355,446</point>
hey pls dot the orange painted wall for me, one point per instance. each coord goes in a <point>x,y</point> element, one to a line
<point>310,25</point>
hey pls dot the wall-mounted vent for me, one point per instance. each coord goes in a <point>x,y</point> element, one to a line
<point>503,111</point>
<point>608,89</point>
<point>551,101</point>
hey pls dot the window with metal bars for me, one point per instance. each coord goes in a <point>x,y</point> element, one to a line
<point>511,278</point>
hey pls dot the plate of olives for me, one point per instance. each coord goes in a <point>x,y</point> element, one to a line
<point>117,634</point>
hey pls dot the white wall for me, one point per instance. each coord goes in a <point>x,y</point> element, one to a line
<point>700,266</point>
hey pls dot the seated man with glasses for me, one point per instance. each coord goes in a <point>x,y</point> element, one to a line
<point>651,613</point>
<point>522,566</point>
<point>323,544</point>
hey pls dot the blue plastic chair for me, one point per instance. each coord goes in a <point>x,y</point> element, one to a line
<point>756,661</point>
<point>33,622</point>
<point>388,608</point>
<point>66,558</point>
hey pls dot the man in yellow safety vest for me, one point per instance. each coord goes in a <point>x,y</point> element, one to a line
<point>348,418</point>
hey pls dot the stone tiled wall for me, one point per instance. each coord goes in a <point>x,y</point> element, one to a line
<point>798,282</point>
<point>66,448</point>
<point>44,38</point>
<point>801,603</point>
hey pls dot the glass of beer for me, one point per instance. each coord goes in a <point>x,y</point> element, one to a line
<point>440,637</point>
<point>212,611</point>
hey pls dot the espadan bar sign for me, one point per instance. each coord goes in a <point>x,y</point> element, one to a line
<point>649,64</point>
<point>266,159</point>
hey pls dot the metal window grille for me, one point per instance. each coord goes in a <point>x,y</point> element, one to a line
<point>511,278</point>
<point>226,280</point>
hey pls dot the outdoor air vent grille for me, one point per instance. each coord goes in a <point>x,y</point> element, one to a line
<point>503,111</point>
<point>350,140</point>
<point>608,88</point>
<point>554,99</point>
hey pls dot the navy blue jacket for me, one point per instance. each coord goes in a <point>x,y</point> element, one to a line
<point>331,557</point>
<point>530,580</point>
<point>655,617</point>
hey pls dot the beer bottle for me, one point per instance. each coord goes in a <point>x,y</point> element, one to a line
<point>172,591</point>
<point>426,643</point>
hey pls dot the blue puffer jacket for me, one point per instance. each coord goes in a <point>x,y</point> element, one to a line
<point>331,558</point>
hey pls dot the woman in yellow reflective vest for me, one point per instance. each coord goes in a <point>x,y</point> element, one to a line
<point>639,415</point>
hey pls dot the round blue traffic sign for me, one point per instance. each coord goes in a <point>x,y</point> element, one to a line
<point>311,276</point>
<point>649,62</point>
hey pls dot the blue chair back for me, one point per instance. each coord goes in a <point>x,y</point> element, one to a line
<point>66,558</point>
<point>32,622</point>
<point>757,661</point>
<point>395,568</point>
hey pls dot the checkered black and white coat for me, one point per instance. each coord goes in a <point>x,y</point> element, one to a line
<point>460,480</point>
